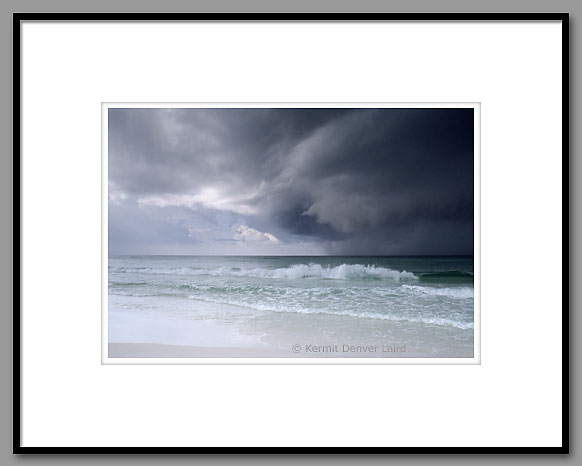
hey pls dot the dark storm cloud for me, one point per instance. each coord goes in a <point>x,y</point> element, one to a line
<point>355,181</point>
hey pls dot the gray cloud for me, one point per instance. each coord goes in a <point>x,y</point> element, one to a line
<point>338,181</point>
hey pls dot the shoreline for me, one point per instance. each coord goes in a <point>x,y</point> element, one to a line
<point>139,328</point>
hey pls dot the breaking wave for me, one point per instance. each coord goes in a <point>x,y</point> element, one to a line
<point>298,271</point>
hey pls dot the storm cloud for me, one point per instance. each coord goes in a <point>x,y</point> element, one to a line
<point>290,181</point>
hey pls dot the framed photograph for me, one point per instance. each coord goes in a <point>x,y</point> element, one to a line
<point>315,233</point>
<point>268,221</point>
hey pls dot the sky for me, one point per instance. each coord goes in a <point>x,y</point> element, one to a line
<point>290,181</point>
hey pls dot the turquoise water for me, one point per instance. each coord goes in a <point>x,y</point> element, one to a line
<point>425,304</point>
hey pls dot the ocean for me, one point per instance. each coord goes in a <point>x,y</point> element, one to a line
<point>325,306</point>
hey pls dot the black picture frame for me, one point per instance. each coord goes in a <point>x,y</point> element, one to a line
<point>316,17</point>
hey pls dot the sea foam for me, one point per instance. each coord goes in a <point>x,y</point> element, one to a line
<point>464,292</point>
<point>298,271</point>
<point>298,309</point>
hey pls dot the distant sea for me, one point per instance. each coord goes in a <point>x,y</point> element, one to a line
<point>404,306</point>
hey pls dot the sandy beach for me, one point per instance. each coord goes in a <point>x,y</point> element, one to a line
<point>155,335</point>
<point>156,350</point>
